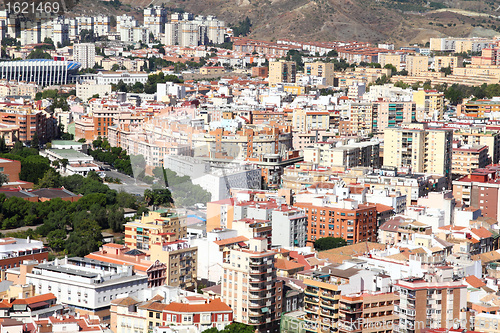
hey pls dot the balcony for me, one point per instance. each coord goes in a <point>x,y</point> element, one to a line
<point>350,309</point>
<point>313,300</point>
<point>311,291</point>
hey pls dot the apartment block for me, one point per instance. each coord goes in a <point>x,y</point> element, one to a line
<point>162,235</point>
<point>481,108</point>
<point>417,65</point>
<point>281,72</point>
<point>370,312</point>
<point>392,114</point>
<point>390,58</point>
<point>480,189</point>
<point>434,302</point>
<point>441,62</point>
<point>430,104</point>
<point>320,69</point>
<point>16,250</point>
<point>422,150</point>
<point>84,53</point>
<point>364,154</point>
<point>346,218</point>
<point>30,121</point>
<point>251,289</point>
<point>321,304</point>
<point>467,158</point>
<point>121,254</point>
<point>480,135</point>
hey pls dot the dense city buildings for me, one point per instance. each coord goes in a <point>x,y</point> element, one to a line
<point>205,180</point>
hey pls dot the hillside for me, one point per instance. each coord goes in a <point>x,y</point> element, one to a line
<point>397,21</point>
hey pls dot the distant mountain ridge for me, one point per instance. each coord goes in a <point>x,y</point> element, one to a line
<point>396,21</point>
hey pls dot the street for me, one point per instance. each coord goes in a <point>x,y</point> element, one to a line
<point>129,184</point>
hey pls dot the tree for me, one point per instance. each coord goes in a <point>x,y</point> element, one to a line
<point>85,238</point>
<point>56,239</point>
<point>327,243</point>
<point>3,145</point>
<point>4,179</point>
<point>392,68</point>
<point>39,54</point>
<point>51,179</point>
<point>35,142</point>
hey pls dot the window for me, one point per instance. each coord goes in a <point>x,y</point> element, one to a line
<point>157,315</point>
<point>150,314</point>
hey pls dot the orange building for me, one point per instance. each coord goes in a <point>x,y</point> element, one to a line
<point>357,223</point>
<point>31,122</point>
<point>478,109</point>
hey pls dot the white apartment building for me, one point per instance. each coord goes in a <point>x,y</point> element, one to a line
<point>155,19</point>
<point>88,285</point>
<point>84,53</point>
<point>87,89</point>
<point>289,227</point>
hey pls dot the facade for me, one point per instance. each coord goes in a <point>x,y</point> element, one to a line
<point>392,114</point>
<point>320,69</point>
<point>84,54</point>
<point>281,72</point>
<point>29,122</point>
<point>14,251</point>
<point>468,158</point>
<point>480,136</point>
<point>417,65</point>
<point>162,235</point>
<point>430,104</point>
<point>321,304</point>
<point>479,189</point>
<point>347,219</point>
<point>422,150</point>
<point>43,72</point>
<point>89,89</point>
<point>363,154</point>
<point>88,285</point>
<point>251,289</point>
<point>199,312</point>
<point>367,312</point>
<point>430,304</point>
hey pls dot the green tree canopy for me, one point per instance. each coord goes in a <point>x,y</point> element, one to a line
<point>327,243</point>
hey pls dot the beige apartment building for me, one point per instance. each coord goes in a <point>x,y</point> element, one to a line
<point>281,72</point>
<point>423,150</point>
<point>447,61</point>
<point>161,234</point>
<point>390,58</point>
<point>250,287</point>
<point>320,69</point>
<point>429,104</point>
<point>467,158</point>
<point>416,65</point>
<point>480,136</point>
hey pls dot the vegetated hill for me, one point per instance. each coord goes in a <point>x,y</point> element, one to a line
<point>397,21</point>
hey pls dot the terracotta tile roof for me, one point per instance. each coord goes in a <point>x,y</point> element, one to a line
<point>35,299</point>
<point>383,208</point>
<point>349,251</point>
<point>474,281</point>
<point>232,240</point>
<point>215,305</point>
<point>126,301</point>
<point>481,232</point>
<point>285,265</point>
